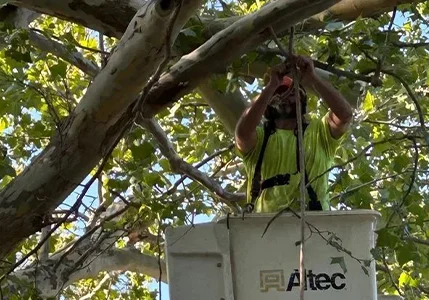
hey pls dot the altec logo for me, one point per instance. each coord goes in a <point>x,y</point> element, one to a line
<point>275,279</point>
<point>321,281</point>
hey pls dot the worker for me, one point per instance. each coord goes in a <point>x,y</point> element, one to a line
<point>275,182</point>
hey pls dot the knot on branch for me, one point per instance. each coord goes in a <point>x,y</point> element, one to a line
<point>165,7</point>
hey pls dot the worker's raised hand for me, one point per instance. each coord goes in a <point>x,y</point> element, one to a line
<point>276,75</point>
<point>305,66</point>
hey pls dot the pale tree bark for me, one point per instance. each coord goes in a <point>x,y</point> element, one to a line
<point>111,17</point>
<point>228,106</point>
<point>93,127</point>
<point>20,17</point>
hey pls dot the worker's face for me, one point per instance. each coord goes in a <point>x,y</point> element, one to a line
<point>285,103</point>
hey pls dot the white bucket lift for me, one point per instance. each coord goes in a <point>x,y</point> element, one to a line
<point>230,260</point>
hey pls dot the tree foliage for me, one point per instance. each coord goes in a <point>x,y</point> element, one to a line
<point>181,164</point>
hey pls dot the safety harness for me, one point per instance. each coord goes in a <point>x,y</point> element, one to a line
<point>258,185</point>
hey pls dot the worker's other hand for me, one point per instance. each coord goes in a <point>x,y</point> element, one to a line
<point>305,66</point>
<point>276,75</point>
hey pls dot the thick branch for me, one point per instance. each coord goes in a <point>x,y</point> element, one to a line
<point>226,45</point>
<point>50,281</point>
<point>112,17</point>
<point>227,105</point>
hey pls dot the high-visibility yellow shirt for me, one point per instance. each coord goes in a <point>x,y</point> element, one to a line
<point>280,158</point>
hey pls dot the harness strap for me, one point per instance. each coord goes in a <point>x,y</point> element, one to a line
<point>256,182</point>
<point>281,179</point>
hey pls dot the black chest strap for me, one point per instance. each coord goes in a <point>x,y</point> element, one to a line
<point>258,185</point>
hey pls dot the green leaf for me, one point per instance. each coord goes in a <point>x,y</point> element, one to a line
<point>386,238</point>
<point>404,254</point>
<point>406,279</point>
<point>340,261</point>
<point>368,102</point>
<point>6,170</point>
<point>60,69</point>
<point>3,124</point>
<point>143,151</point>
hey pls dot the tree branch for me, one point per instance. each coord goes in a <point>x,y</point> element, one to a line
<point>416,240</point>
<point>412,96</point>
<point>320,65</point>
<point>363,151</point>
<point>410,45</point>
<point>216,53</point>
<point>97,288</point>
<point>197,166</point>
<point>180,166</point>
<point>50,282</point>
<point>74,58</point>
<point>228,106</point>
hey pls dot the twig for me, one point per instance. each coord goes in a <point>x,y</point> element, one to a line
<point>416,240</point>
<point>412,96</point>
<point>389,273</point>
<point>363,151</point>
<point>88,233</point>
<point>321,65</point>
<point>158,242</point>
<point>273,218</point>
<point>413,179</point>
<point>44,251</point>
<point>97,288</point>
<point>77,214</point>
<point>103,56</point>
<point>74,42</point>
<point>383,54</point>
<point>200,164</point>
<point>351,190</point>
<point>410,45</point>
<point>390,124</point>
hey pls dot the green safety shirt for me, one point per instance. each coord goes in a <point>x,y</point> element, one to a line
<point>280,158</point>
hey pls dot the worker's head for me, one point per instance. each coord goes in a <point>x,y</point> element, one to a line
<point>282,104</point>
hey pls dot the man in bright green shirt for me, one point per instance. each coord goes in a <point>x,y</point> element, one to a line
<point>321,139</point>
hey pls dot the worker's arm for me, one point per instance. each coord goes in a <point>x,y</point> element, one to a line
<point>340,114</point>
<point>245,131</point>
